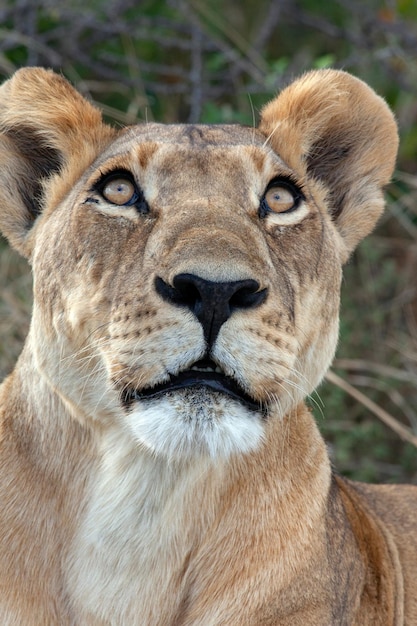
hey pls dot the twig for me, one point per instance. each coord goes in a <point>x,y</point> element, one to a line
<point>370,366</point>
<point>402,431</point>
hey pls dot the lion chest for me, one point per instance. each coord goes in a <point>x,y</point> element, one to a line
<point>127,559</point>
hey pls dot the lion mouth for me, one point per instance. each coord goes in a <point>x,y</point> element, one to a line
<point>204,373</point>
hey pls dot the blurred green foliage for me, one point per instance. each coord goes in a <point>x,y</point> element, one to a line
<point>220,61</point>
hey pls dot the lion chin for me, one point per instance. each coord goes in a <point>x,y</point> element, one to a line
<point>198,412</point>
<point>196,421</point>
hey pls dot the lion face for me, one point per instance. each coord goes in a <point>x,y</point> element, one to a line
<point>182,312</point>
<point>186,278</point>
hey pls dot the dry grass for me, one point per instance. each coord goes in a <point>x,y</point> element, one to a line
<point>15,306</point>
<point>371,399</point>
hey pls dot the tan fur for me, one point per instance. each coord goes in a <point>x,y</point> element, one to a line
<point>189,508</point>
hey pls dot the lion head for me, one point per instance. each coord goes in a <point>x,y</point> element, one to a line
<point>187,277</point>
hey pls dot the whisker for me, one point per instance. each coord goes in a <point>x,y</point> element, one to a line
<point>271,134</point>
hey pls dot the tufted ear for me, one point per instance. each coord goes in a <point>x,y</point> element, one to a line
<point>332,127</point>
<point>46,127</point>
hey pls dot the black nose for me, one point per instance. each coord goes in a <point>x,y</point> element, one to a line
<point>211,302</point>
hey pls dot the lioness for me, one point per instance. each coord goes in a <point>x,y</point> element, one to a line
<point>158,464</point>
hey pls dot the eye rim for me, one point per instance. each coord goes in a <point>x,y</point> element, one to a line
<point>288,184</point>
<point>137,199</point>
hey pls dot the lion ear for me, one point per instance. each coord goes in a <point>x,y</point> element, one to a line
<point>46,128</point>
<point>332,127</point>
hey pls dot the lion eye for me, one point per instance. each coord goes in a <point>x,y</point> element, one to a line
<point>120,191</point>
<point>279,199</point>
<point>281,196</point>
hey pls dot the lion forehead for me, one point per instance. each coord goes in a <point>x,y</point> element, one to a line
<point>195,134</point>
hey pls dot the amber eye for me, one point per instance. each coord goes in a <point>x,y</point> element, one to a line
<point>120,191</point>
<point>281,196</point>
<point>279,199</point>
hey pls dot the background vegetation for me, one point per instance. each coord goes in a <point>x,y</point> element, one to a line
<point>220,60</point>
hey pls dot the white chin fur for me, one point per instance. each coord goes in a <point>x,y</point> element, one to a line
<point>196,422</point>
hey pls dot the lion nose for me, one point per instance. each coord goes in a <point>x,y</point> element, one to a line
<point>211,302</point>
